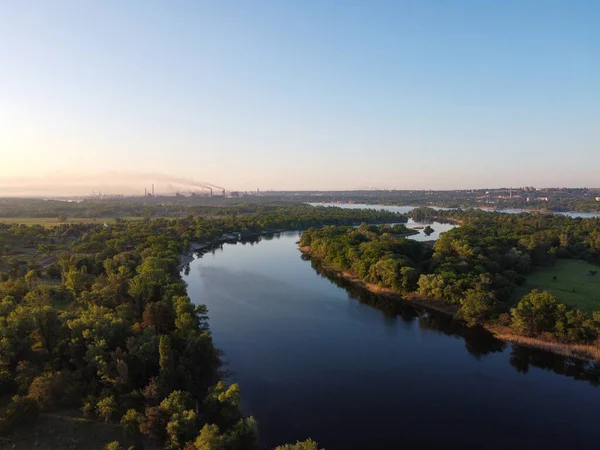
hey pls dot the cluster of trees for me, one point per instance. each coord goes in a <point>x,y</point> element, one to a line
<point>131,344</point>
<point>476,266</point>
<point>377,254</point>
<point>102,321</point>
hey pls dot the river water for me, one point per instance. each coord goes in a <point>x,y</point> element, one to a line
<point>316,357</point>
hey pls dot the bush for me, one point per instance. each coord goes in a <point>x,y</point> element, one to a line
<point>7,382</point>
<point>107,408</point>
<point>131,421</point>
<point>48,390</point>
<point>19,411</point>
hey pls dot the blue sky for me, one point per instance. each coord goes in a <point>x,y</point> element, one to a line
<point>303,94</point>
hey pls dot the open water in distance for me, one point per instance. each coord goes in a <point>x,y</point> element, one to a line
<point>407,209</point>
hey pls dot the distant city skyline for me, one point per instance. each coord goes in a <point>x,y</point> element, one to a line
<point>308,95</point>
<point>137,184</point>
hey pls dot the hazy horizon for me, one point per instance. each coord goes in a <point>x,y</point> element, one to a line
<point>114,183</point>
<point>337,95</point>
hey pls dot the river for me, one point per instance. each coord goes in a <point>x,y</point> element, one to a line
<point>318,358</point>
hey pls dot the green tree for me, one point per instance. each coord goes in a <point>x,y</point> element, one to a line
<point>107,408</point>
<point>308,444</point>
<point>209,438</point>
<point>114,445</point>
<point>32,278</point>
<point>537,312</point>
<point>222,404</point>
<point>181,428</point>
<point>243,435</point>
<point>475,307</point>
<point>131,421</point>
<point>165,356</point>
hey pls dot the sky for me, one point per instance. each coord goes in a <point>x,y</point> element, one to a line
<point>299,94</point>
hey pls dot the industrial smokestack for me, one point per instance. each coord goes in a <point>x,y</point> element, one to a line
<point>152,190</point>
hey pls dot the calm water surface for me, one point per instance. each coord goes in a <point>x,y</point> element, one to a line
<point>315,358</point>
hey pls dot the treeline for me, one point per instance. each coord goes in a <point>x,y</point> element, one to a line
<point>140,207</point>
<point>101,321</point>
<point>375,253</point>
<point>476,266</point>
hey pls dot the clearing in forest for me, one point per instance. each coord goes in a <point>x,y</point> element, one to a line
<point>573,282</point>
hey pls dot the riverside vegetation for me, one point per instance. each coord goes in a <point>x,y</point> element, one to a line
<point>95,317</point>
<point>476,270</point>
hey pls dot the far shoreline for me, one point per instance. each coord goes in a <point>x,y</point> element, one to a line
<point>448,208</point>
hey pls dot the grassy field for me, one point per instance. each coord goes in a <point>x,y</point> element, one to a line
<point>573,286</point>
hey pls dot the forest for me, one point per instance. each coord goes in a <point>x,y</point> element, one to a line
<point>476,268</point>
<point>94,317</point>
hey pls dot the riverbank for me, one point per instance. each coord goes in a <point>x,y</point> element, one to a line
<point>187,256</point>
<point>501,332</point>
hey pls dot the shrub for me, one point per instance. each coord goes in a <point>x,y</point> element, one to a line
<point>48,390</point>
<point>19,411</point>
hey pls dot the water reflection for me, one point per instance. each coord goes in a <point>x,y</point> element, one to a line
<point>478,342</point>
<point>522,358</point>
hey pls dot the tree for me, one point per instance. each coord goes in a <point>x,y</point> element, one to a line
<point>243,435</point>
<point>176,402</point>
<point>48,390</point>
<point>159,315</point>
<point>181,428</point>
<point>576,326</point>
<point>222,404</point>
<point>54,270</point>
<point>154,392</point>
<point>308,444</point>
<point>77,280</point>
<point>410,278</point>
<point>131,421</point>
<point>114,445</point>
<point>537,312</point>
<point>209,438</point>
<point>475,307</point>
<point>47,326</point>
<point>155,421</point>
<point>32,278</point>
<point>107,408</point>
<point>165,357</point>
